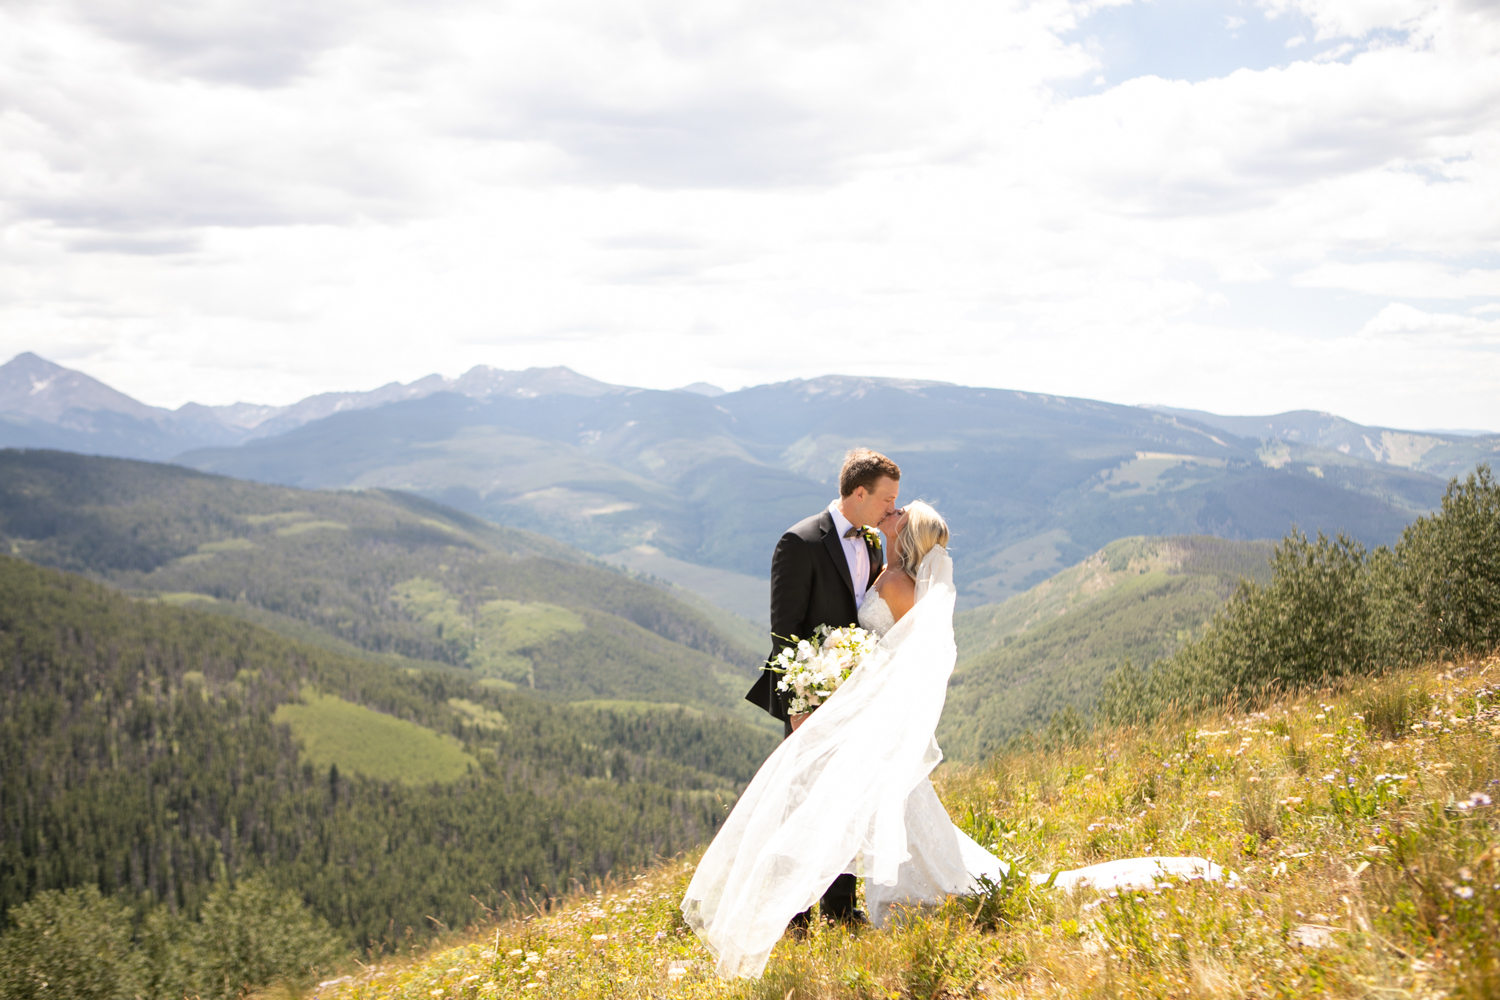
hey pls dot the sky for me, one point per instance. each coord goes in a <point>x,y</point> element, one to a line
<point>1244,206</point>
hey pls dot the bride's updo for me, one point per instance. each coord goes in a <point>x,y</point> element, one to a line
<point>923,529</point>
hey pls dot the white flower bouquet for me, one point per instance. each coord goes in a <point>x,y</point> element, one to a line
<point>812,669</point>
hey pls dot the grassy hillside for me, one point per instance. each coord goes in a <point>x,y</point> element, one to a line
<point>153,751</point>
<point>1049,649</point>
<point>398,577</point>
<point>1357,822</point>
<point>331,730</point>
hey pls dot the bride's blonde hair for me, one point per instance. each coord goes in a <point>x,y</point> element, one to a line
<point>923,529</point>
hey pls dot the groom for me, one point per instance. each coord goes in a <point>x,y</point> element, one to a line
<point>819,574</point>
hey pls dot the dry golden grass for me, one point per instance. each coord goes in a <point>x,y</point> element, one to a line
<point>1358,823</point>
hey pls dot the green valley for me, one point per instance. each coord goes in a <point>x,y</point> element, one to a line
<point>379,574</point>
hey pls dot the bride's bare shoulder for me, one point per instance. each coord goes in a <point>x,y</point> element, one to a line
<point>898,590</point>
<point>894,582</point>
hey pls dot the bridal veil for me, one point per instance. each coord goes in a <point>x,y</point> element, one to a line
<point>851,784</point>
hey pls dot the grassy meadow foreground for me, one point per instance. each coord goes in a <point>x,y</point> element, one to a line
<point>1358,822</point>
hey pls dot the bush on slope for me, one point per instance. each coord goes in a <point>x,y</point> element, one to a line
<point>75,944</point>
<point>1332,609</point>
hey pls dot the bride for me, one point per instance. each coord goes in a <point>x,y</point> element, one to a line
<point>850,788</point>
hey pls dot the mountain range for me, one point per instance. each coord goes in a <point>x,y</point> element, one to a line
<point>403,582</point>
<point>696,486</point>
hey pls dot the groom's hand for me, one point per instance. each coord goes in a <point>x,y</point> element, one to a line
<point>797,720</point>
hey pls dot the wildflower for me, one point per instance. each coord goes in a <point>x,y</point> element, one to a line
<point>1463,892</point>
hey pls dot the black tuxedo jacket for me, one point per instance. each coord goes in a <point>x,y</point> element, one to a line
<point>810,586</point>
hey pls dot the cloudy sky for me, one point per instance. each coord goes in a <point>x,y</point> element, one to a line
<point>1238,205</point>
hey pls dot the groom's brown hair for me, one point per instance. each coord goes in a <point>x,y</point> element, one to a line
<point>863,467</point>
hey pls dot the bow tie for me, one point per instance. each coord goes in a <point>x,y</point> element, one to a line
<point>855,533</point>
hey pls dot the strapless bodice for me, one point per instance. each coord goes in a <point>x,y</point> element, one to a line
<point>875,615</point>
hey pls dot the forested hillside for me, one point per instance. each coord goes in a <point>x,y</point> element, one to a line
<point>378,572</point>
<point>1049,650</point>
<point>153,751</point>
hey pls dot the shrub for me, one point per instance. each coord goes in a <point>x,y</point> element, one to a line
<point>70,945</point>
<point>1312,621</point>
<point>251,935</point>
<point>1309,623</point>
<point>1332,610</point>
<point>1451,569</point>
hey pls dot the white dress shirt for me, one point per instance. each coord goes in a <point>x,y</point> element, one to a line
<point>856,553</point>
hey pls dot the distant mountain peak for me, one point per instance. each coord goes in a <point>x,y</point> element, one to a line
<point>702,389</point>
<point>482,381</point>
<point>31,386</point>
<point>854,386</point>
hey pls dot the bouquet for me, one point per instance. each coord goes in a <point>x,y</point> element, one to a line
<point>812,669</point>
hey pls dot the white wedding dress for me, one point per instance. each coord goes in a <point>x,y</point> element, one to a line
<point>849,792</point>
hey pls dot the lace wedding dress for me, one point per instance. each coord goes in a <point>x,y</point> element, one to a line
<point>849,791</point>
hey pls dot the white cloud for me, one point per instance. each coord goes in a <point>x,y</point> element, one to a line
<point>236,200</point>
<point>1399,320</point>
<point>1413,279</point>
<point>1356,18</point>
